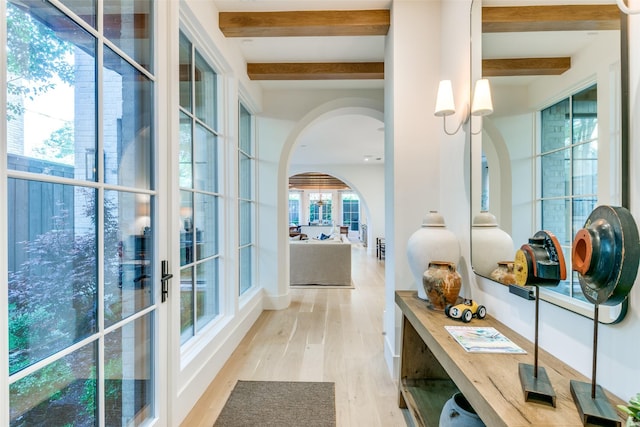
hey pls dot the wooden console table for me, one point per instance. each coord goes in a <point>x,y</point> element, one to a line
<point>434,366</point>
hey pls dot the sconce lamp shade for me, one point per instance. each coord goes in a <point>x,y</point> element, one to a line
<point>482,104</point>
<point>444,103</point>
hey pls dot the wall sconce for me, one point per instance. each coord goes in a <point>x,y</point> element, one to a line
<point>445,106</point>
<point>482,104</point>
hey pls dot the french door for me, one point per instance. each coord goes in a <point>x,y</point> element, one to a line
<point>81,212</point>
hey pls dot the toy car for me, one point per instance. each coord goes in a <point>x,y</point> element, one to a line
<point>465,311</point>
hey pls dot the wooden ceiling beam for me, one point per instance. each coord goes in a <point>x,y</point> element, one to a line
<point>316,181</point>
<point>316,71</point>
<point>550,18</point>
<point>305,23</point>
<point>525,67</point>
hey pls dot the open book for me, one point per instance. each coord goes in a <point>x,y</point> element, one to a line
<point>476,339</point>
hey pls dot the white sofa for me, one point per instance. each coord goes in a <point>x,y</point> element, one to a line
<point>320,262</point>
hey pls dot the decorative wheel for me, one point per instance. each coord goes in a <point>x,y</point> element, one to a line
<point>467,315</point>
<point>446,310</point>
<point>605,254</point>
<point>482,312</point>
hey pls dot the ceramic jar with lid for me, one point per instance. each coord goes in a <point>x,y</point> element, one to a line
<point>489,244</point>
<point>431,242</point>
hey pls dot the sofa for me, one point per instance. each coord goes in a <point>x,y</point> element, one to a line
<point>320,262</point>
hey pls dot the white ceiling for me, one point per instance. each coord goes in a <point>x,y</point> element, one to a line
<point>344,139</point>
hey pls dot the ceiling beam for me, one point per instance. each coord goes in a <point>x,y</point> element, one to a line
<point>550,18</point>
<point>316,71</point>
<point>525,67</point>
<point>305,23</point>
<point>316,181</point>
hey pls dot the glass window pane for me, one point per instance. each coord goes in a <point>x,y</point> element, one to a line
<point>294,208</point>
<point>245,177</point>
<point>245,220</point>
<point>555,126</point>
<point>585,168</point>
<point>185,72</point>
<point>585,115</point>
<point>582,208</point>
<point>187,229</point>
<point>555,218</point>
<point>128,252</point>
<point>66,388</point>
<point>555,174</point>
<point>206,292</point>
<point>245,131</point>
<point>85,9</point>
<point>52,269</point>
<point>186,304</point>
<point>205,156</point>
<point>51,94</point>
<point>351,211</point>
<point>128,111</point>
<point>129,25</point>
<point>206,92</point>
<point>128,373</point>
<point>186,152</point>
<point>206,222</point>
<point>246,268</point>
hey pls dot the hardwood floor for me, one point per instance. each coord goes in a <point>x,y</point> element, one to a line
<point>325,335</point>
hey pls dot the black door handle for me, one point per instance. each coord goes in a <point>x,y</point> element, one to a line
<point>164,278</point>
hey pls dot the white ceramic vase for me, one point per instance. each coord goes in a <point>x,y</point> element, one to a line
<point>489,244</point>
<point>431,242</point>
<point>457,412</point>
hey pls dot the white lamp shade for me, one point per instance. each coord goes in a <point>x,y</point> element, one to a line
<point>482,104</point>
<point>444,103</point>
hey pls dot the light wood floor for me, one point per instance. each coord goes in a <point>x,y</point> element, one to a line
<point>325,335</point>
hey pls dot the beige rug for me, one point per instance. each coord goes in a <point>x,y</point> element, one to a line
<point>279,403</point>
<point>351,286</point>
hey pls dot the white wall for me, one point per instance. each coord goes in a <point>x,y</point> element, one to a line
<point>414,147</point>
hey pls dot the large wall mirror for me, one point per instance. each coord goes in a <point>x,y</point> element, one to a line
<point>555,146</point>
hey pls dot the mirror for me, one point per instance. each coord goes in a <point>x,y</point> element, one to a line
<point>552,118</point>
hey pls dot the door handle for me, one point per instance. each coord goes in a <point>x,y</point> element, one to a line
<point>164,279</point>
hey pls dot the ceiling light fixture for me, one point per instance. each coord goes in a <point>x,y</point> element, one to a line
<point>319,202</point>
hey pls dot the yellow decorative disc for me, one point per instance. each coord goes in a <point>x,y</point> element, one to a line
<point>521,268</point>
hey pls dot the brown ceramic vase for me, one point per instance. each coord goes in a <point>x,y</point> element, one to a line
<point>442,284</point>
